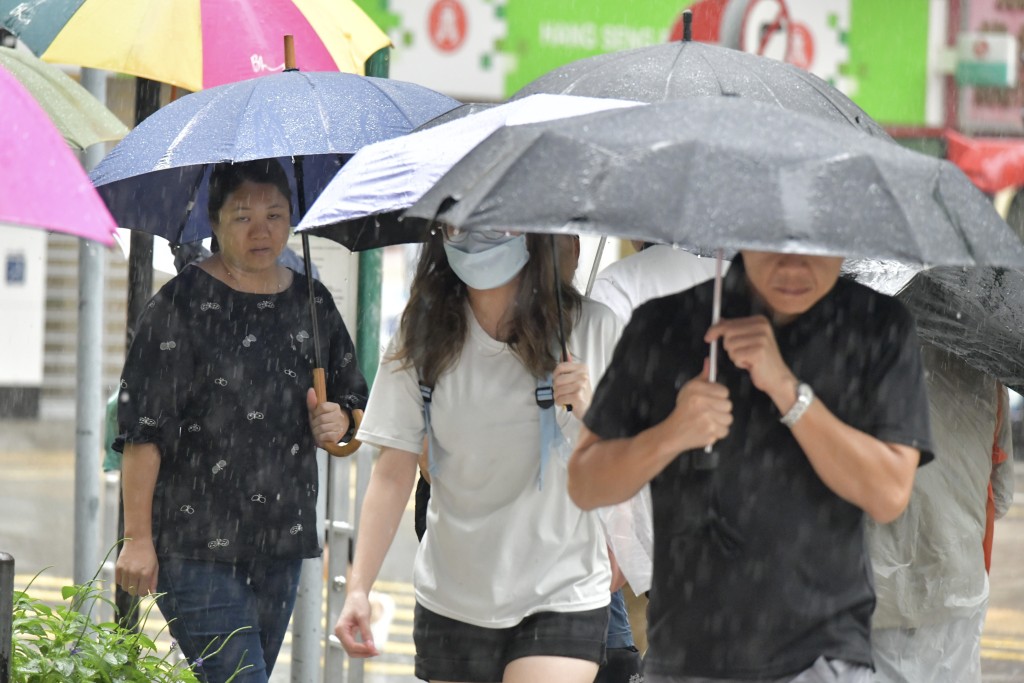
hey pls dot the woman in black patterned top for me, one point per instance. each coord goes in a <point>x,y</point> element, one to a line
<point>220,428</point>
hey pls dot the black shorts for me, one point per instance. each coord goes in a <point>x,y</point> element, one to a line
<point>451,650</point>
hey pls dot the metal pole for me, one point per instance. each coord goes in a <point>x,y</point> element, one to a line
<point>89,402</point>
<point>340,533</point>
<point>307,618</point>
<point>371,269</point>
<point>6,615</point>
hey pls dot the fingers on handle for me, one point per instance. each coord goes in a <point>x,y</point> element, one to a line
<point>348,449</point>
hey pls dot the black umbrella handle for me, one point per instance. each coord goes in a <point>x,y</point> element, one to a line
<point>307,262</point>
<point>704,459</point>
<point>558,300</point>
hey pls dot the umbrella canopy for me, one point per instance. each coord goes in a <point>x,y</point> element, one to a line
<point>155,177</point>
<point>42,185</point>
<point>361,208</point>
<point>673,71</point>
<point>459,112</point>
<point>976,313</point>
<point>80,117</point>
<point>724,173</point>
<point>195,44</point>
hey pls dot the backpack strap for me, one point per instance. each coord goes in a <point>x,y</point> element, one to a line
<point>551,437</point>
<point>427,393</point>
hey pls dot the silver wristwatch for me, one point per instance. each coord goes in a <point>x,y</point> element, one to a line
<point>804,396</point>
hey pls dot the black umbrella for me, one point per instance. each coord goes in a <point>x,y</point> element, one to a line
<point>673,71</point>
<point>976,313</point>
<point>724,173</point>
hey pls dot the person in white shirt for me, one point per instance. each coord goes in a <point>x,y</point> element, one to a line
<point>511,578</point>
<point>654,271</point>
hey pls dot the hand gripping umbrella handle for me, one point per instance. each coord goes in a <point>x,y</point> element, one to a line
<point>708,459</point>
<point>320,387</point>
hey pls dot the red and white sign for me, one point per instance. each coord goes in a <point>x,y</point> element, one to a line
<point>447,25</point>
<point>801,47</point>
<point>806,33</point>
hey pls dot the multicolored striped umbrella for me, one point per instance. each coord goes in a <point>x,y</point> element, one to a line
<point>42,185</point>
<point>195,44</point>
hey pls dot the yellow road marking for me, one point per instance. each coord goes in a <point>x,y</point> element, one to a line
<point>394,587</point>
<point>1001,655</point>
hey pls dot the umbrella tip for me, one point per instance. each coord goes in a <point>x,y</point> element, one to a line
<point>687,26</point>
<point>289,53</point>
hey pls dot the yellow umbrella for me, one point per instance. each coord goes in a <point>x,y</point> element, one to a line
<point>196,44</point>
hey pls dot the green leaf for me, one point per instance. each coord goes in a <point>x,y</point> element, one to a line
<point>64,665</point>
<point>68,592</point>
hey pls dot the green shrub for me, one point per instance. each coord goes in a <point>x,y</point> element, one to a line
<point>63,643</point>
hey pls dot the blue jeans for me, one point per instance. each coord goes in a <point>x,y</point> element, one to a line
<point>619,632</point>
<point>207,601</point>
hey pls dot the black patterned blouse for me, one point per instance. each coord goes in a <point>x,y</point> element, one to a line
<point>217,379</point>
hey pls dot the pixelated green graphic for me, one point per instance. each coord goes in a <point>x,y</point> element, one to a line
<point>378,11</point>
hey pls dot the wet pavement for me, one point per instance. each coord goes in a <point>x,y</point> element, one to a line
<point>36,527</point>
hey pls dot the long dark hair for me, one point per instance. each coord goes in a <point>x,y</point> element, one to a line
<point>434,324</point>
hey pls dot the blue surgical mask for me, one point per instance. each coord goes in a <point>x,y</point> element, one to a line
<point>487,263</point>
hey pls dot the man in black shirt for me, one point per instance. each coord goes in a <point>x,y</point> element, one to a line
<point>819,416</point>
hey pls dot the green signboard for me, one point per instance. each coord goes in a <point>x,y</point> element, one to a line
<point>543,35</point>
<point>485,50</point>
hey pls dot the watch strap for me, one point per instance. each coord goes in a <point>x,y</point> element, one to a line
<point>804,397</point>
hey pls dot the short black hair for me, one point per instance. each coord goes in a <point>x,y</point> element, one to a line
<point>228,177</point>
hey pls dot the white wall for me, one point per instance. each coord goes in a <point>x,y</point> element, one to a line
<point>22,304</point>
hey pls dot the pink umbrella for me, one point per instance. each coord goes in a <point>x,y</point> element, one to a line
<point>42,184</point>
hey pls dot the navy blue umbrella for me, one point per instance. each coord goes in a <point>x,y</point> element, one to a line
<point>156,179</point>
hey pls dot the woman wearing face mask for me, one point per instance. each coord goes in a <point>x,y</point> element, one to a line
<point>511,577</point>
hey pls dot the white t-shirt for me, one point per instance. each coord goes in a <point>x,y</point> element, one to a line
<point>658,270</point>
<point>497,547</point>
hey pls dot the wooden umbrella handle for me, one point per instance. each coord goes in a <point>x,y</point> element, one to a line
<point>339,450</point>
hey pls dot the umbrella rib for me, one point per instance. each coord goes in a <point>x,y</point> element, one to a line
<point>768,87</point>
<point>825,95</point>
<point>398,106</point>
<point>255,83</point>
<point>950,216</point>
<point>321,109</point>
<point>672,71</point>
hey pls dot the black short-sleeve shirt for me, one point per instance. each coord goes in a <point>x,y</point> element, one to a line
<point>759,568</point>
<point>217,379</point>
